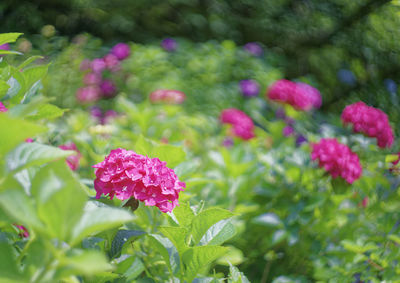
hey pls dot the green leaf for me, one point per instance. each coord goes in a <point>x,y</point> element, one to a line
<point>143,146</point>
<point>391,158</point>
<point>219,233</point>
<point>17,86</point>
<point>120,239</point>
<point>28,61</point>
<point>171,154</point>
<point>177,235</point>
<point>34,74</point>
<point>205,219</point>
<point>47,111</point>
<point>9,271</point>
<point>183,214</point>
<point>28,154</point>
<point>16,131</point>
<point>99,217</point>
<point>235,276</point>
<point>167,250</point>
<point>9,37</point>
<point>232,256</point>
<point>83,263</point>
<point>18,205</point>
<point>268,219</point>
<point>197,259</point>
<point>10,52</point>
<point>130,267</point>
<point>60,199</point>
<point>3,88</point>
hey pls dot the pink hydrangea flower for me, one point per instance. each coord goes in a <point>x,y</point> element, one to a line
<point>23,231</point>
<point>288,131</point>
<point>112,62</point>
<point>72,160</point>
<point>337,159</point>
<point>29,140</point>
<point>3,108</point>
<point>98,65</point>
<point>126,174</point>
<point>92,79</point>
<point>242,125</point>
<point>371,121</point>
<point>168,96</point>
<point>108,88</point>
<point>300,95</point>
<point>121,51</point>
<point>88,94</point>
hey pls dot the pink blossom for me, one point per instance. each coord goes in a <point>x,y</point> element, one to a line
<point>337,159</point>
<point>4,46</point>
<point>288,131</point>
<point>168,96</point>
<point>121,51</point>
<point>126,174</point>
<point>112,62</point>
<point>29,140</point>
<point>242,125</point>
<point>98,65</point>
<point>108,88</point>
<point>92,79</point>
<point>300,95</point>
<point>88,94</point>
<point>72,160</point>
<point>371,121</point>
<point>23,231</point>
<point>3,108</point>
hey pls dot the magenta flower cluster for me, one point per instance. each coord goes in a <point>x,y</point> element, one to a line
<point>371,121</point>
<point>72,160</point>
<point>168,96</point>
<point>337,159</point>
<point>102,117</point>
<point>96,85</point>
<point>299,95</point>
<point>126,174</point>
<point>242,125</point>
<point>3,108</point>
<point>249,88</point>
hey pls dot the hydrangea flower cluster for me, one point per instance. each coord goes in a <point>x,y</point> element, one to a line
<point>169,44</point>
<point>371,121</point>
<point>249,88</point>
<point>168,96</point>
<point>126,174</point>
<point>72,160</point>
<point>3,108</point>
<point>253,48</point>
<point>96,85</point>
<point>299,95</point>
<point>337,159</point>
<point>102,117</point>
<point>242,125</point>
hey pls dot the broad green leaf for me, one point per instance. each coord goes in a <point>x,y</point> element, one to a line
<point>205,219</point>
<point>28,61</point>
<point>235,276</point>
<point>99,217</point>
<point>9,37</point>
<point>16,131</point>
<point>171,154</point>
<point>60,198</point>
<point>120,239</point>
<point>10,52</point>
<point>130,267</point>
<point>197,259</point>
<point>177,235</point>
<point>232,256</point>
<point>18,205</point>
<point>47,111</point>
<point>28,154</point>
<point>167,250</point>
<point>17,85</point>
<point>143,146</point>
<point>268,219</point>
<point>34,74</point>
<point>9,271</point>
<point>219,233</point>
<point>184,214</point>
<point>83,263</point>
<point>3,88</point>
<point>391,158</point>
<point>394,238</point>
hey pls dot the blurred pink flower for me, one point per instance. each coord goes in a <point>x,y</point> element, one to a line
<point>126,174</point>
<point>3,108</point>
<point>92,79</point>
<point>168,96</point>
<point>121,51</point>
<point>98,65</point>
<point>371,121</point>
<point>337,159</point>
<point>112,62</point>
<point>242,125</point>
<point>23,231</point>
<point>72,160</point>
<point>108,88</point>
<point>29,140</point>
<point>288,131</point>
<point>88,94</point>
